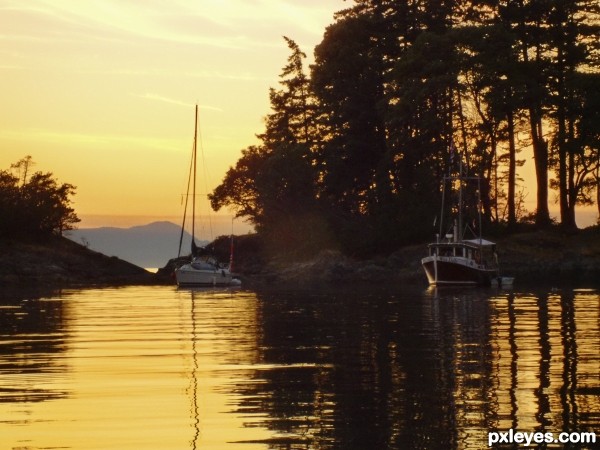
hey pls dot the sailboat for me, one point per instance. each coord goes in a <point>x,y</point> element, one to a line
<point>203,269</point>
<point>454,260</point>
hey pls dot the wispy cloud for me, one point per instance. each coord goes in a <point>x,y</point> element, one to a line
<point>91,140</point>
<point>160,98</point>
<point>218,37</point>
<point>234,24</point>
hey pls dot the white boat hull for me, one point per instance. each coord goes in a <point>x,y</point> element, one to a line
<point>187,275</point>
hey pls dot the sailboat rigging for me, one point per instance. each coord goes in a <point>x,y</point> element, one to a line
<point>203,269</point>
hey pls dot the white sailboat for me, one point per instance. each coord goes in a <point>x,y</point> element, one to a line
<point>203,269</point>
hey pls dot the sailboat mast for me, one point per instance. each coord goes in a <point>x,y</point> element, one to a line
<point>194,180</point>
<point>460,200</point>
<point>479,207</point>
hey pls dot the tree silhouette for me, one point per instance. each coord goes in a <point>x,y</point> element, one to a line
<point>36,205</point>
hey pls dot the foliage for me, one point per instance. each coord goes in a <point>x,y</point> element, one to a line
<point>273,184</point>
<point>354,154</point>
<point>36,205</point>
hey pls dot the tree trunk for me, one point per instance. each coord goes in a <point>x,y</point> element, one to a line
<point>540,154</point>
<point>563,191</point>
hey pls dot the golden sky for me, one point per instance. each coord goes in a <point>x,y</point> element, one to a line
<point>102,92</point>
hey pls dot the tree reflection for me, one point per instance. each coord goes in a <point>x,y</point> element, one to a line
<point>32,336</point>
<point>379,369</point>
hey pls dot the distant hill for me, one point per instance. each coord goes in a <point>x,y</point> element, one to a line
<point>148,246</point>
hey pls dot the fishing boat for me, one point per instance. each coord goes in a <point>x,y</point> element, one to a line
<point>454,260</point>
<point>202,269</point>
<point>461,262</point>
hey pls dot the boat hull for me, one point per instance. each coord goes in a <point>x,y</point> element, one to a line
<point>456,271</point>
<point>188,276</point>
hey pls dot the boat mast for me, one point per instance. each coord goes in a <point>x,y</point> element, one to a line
<point>440,235</point>
<point>187,197</point>
<point>194,183</point>
<point>460,203</point>
<point>479,210</point>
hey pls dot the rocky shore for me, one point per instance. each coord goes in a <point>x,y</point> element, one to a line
<point>534,257</point>
<point>553,256</point>
<point>57,261</point>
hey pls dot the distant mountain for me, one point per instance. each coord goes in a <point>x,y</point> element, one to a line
<point>148,246</point>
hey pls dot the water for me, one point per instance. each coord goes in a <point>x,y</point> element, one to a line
<point>404,368</point>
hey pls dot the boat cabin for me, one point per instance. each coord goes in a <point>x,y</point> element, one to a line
<point>481,251</point>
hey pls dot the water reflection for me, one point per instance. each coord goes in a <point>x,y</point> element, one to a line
<point>31,336</point>
<point>153,367</point>
<point>551,381</point>
<point>433,370</point>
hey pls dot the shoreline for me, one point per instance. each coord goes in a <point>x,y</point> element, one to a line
<point>60,263</point>
<point>548,257</point>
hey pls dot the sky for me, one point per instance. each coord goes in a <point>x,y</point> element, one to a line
<point>101,92</point>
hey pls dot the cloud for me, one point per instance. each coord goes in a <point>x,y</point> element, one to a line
<point>234,40</point>
<point>160,98</point>
<point>234,24</point>
<point>91,140</point>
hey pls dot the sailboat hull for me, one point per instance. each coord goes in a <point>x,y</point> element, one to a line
<point>187,275</point>
<point>457,271</point>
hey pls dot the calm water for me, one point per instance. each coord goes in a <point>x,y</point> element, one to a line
<point>408,368</point>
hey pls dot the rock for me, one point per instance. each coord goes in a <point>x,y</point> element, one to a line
<point>59,261</point>
<point>540,256</point>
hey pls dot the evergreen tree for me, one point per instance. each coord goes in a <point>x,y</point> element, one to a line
<point>572,27</point>
<point>525,20</point>
<point>274,184</point>
<point>362,146</point>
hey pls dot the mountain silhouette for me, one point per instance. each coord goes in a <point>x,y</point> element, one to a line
<point>149,246</point>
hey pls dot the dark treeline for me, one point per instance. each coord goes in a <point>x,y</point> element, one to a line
<point>355,148</point>
<point>33,205</point>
